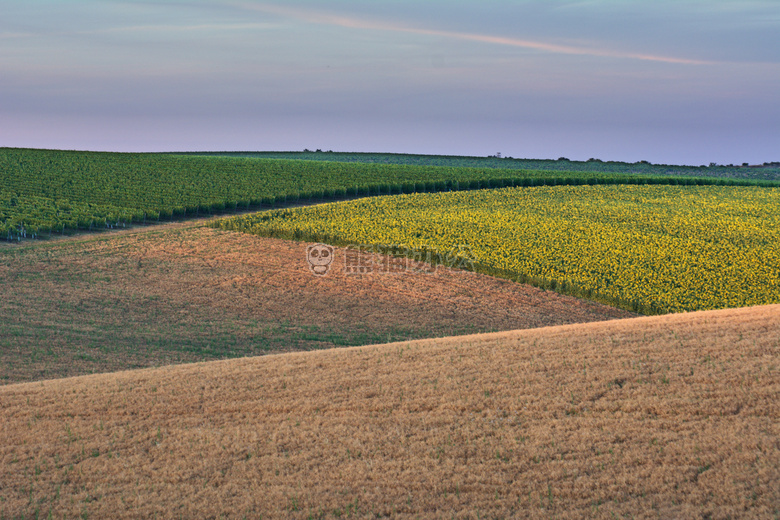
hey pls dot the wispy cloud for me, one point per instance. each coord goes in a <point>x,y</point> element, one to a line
<point>319,17</point>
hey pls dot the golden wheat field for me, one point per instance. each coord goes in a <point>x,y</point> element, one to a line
<point>673,416</point>
<point>651,249</point>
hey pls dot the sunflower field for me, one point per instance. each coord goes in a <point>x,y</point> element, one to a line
<point>650,249</point>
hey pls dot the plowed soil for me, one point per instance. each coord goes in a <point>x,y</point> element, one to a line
<point>675,416</point>
<point>181,292</point>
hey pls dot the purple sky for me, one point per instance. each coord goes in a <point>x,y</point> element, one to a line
<point>683,81</point>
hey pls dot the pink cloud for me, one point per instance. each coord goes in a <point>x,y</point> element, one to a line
<point>319,17</point>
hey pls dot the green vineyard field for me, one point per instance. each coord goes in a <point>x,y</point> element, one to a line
<point>47,191</point>
<point>766,171</point>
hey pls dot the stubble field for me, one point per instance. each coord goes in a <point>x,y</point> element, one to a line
<point>181,293</point>
<point>675,416</point>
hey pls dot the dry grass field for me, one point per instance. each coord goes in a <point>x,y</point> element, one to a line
<point>675,416</point>
<point>181,292</point>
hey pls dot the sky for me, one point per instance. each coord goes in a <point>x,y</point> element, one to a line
<point>668,81</point>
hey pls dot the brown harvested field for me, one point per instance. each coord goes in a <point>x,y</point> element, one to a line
<point>182,292</point>
<point>675,416</point>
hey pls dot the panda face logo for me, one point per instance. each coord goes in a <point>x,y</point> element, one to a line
<point>319,256</point>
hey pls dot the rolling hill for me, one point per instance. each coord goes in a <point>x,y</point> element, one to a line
<point>651,417</point>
